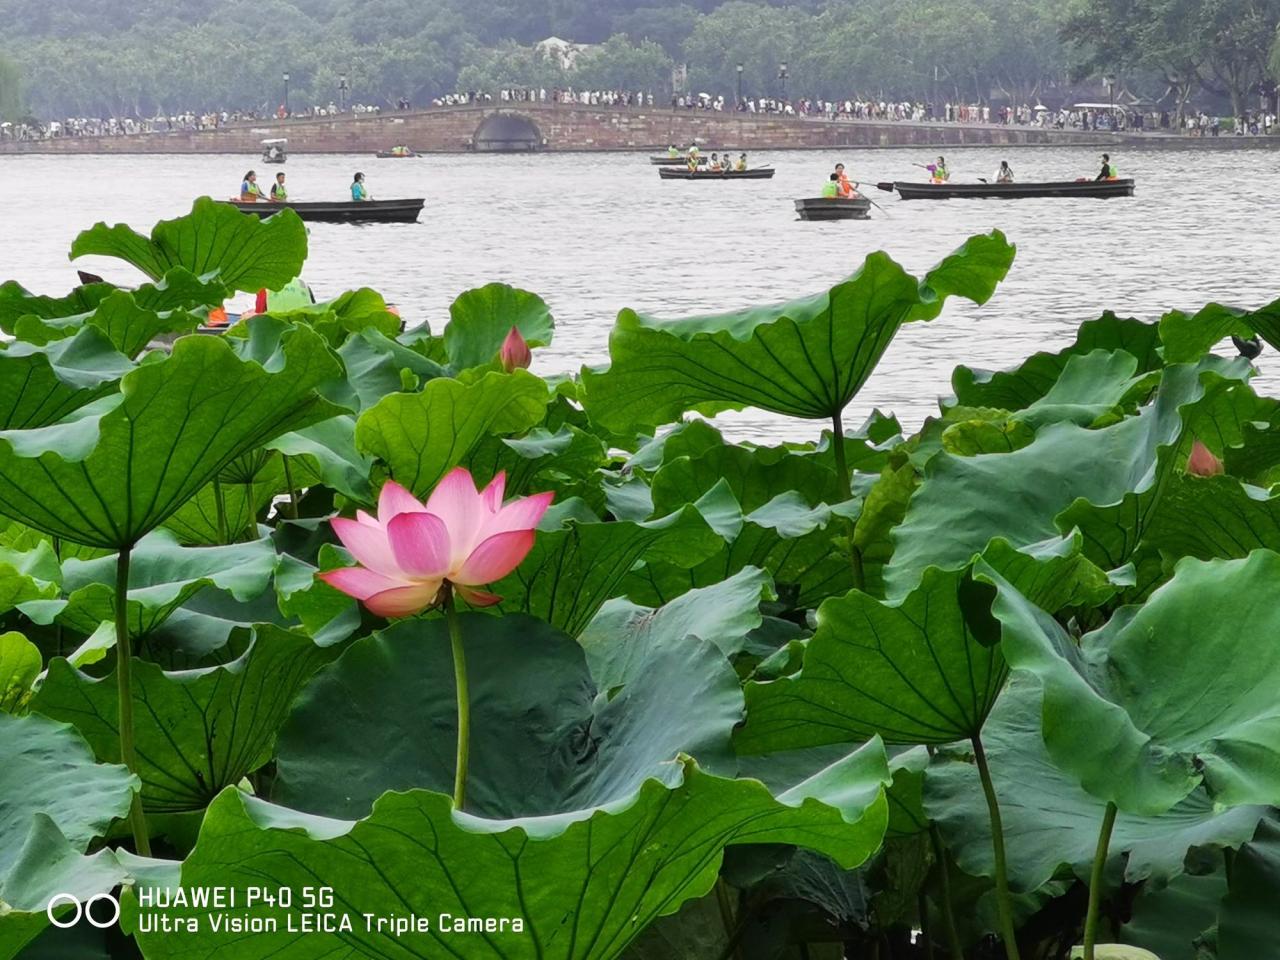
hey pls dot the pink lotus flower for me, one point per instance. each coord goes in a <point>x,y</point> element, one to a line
<point>515,352</point>
<point>1202,462</point>
<point>460,535</point>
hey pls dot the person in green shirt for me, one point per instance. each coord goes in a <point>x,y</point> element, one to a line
<point>250,192</point>
<point>831,189</point>
<point>278,193</point>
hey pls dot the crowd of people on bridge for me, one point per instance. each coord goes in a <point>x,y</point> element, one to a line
<point>1122,118</point>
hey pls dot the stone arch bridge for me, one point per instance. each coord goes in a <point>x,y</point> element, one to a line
<point>527,127</point>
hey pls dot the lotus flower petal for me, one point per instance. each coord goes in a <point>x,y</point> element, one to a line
<point>495,558</point>
<point>515,353</point>
<point>1202,462</point>
<point>478,598</point>
<point>404,601</point>
<point>358,582</point>
<point>420,543</point>
<point>456,501</point>
<point>395,499</point>
<point>494,491</point>
<point>369,545</point>
<point>519,515</point>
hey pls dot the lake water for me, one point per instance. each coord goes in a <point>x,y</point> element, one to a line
<point>592,233</point>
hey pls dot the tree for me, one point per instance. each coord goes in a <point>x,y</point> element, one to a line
<point>10,90</point>
<point>621,65</point>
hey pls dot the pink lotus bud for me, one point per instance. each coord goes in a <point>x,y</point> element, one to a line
<point>515,352</point>
<point>460,535</point>
<point>1202,462</point>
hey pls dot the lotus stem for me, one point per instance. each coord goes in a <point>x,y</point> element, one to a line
<point>293,493</point>
<point>944,882</point>
<point>221,507</point>
<point>252,521</point>
<point>1095,881</point>
<point>464,699</point>
<point>124,692</point>
<point>926,931</point>
<point>1007,932</point>
<point>732,939</point>
<point>846,491</point>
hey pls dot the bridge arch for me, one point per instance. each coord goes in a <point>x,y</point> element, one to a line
<point>507,133</point>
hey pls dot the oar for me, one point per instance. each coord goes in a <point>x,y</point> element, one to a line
<point>887,187</point>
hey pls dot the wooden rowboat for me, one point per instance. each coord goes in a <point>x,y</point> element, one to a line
<point>760,173</point>
<point>349,211</point>
<point>834,208</point>
<point>1010,191</point>
<point>673,161</point>
<point>388,155</point>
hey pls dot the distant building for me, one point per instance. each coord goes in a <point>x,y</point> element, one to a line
<point>565,53</point>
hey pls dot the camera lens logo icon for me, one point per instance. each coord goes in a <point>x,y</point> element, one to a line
<point>97,918</point>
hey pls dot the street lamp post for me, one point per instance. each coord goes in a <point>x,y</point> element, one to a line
<point>342,93</point>
<point>782,78</point>
<point>286,93</point>
<point>1110,82</point>
<point>738,103</point>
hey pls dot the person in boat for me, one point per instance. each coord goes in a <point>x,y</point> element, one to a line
<point>938,172</point>
<point>846,188</point>
<point>694,152</point>
<point>714,166</point>
<point>831,189</point>
<point>673,152</point>
<point>250,192</point>
<point>691,160</point>
<point>359,192</point>
<point>1108,171</point>
<point>278,192</point>
<point>741,165</point>
<point>1005,173</point>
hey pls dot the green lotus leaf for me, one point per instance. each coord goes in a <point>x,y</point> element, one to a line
<point>128,326</point>
<point>28,575</point>
<point>121,468</point>
<point>601,876</point>
<point>566,458</point>
<point>326,614</point>
<point>336,320</point>
<point>47,768</point>
<point>421,436</point>
<point>197,731</point>
<point>968,438</point>
<point>907,816</point>
<point>1021,387</point>
<point>480,319</point>
<point>1023,496</point>
<point>577,562</point>
<point>545,735</point>
<point>20,664</point>
<point>807,358</point>
<point>49,865</point>
<point>1187,336</point>
<point>377,366</point>
<point>786,537</point>
<point>623,632</point>
<point>1050,821</point>
<point>1090,386</point>
<point>1246,922</point>
<point>326,453</point>
<point>41,385</point>
<point>163,576</point>
<point>197,522</point>
<point>1166,696</point>
<point>695,931</point>
<point>913,672</point>
<point>17,302</point>
<point>245,252</point>
<point>1168,921</point>
<point>1208,517</point>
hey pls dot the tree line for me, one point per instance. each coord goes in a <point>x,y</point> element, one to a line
<point>92,58</point>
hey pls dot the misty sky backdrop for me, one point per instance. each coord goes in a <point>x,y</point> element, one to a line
<point>110,58</point>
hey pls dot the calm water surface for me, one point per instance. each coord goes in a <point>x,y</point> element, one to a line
<point>595,233</point>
